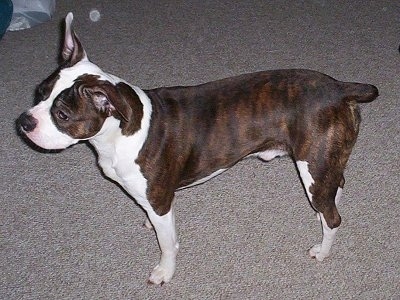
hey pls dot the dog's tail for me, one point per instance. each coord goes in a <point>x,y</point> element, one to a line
<point>360,92</point>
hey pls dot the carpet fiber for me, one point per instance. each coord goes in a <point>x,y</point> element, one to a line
<point>68,233</point>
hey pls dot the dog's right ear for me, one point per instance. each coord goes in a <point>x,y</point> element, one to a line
<point>72,51</point>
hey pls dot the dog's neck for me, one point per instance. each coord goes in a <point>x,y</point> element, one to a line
<point>109,133</point>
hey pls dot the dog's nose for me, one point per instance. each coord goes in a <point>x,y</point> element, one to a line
<point>27,122</point>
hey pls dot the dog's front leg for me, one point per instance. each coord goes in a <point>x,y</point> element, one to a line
<point>165,229</point>
<point>164,226</point>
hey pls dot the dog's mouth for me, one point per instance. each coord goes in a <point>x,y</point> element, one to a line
<point>41,134</point>
<point>25,138</point>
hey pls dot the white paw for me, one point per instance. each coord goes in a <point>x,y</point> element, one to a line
<point>315,252</point>
<point>160,275</point>
<point>147,224</point>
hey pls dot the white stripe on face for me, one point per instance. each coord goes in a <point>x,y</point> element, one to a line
<point>46,134</point>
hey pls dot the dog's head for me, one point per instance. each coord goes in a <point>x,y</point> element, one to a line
<point>75,101</point>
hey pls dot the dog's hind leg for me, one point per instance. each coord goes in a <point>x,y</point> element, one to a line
<point>324,193</point>
<point>321,251</point>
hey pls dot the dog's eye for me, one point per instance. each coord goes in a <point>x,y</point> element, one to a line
<point>61,115</point>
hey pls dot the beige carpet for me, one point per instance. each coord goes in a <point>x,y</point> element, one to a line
<point>67,233</point>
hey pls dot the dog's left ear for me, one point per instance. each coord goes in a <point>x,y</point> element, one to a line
<point>72,50</point>
<point>108,100</point>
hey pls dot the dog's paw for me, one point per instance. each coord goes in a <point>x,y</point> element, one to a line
<point>147,224</point>
<point>160,275</point>
<point>315,252</point>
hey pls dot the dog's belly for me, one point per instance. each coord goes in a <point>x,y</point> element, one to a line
<point>202,180</point>
<point>265,156</point>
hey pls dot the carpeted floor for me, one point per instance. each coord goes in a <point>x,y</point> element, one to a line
<point>67,233</point>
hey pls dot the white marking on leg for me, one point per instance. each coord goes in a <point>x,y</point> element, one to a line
<point>338,196</point>
<point>320,251</point>
<point>166,234</point>
<point>305,177</point>
<point>323,250</point>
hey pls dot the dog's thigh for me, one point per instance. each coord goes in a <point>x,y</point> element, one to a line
<point>323,186</point>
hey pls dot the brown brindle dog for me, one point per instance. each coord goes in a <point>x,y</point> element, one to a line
<point>154,142</point>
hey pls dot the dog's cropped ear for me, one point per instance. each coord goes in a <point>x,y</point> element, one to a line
<point>72,50</point>
<point>107,99</point>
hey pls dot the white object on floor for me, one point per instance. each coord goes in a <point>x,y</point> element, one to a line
<point>94,15</point>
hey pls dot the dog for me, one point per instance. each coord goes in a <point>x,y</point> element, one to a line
<point>156,141</point>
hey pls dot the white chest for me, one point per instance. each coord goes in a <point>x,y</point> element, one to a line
<point>118,153</point>
<point>118,163</point>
